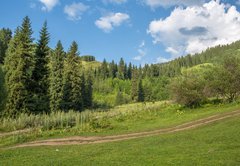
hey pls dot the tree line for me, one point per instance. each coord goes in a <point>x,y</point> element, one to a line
<point>39,79</point>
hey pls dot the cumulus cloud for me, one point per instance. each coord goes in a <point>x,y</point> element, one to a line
<point>193,29</point>
<point>75,10</point>
<point>162,60</point>
<point>168,3</point>
<point>141,51</point>
<point>115,1</point>
<point>108,22</point>
<point>48,5</point>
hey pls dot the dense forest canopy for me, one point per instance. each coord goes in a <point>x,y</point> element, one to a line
<point>35,78</point>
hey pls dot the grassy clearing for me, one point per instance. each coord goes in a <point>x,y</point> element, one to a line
<point>215,144</point>
<point>122,119</point>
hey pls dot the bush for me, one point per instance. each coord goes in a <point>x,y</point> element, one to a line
<point>191,88</point>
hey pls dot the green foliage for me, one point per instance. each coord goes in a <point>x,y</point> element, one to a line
<point>140,91</point>
<point>227,78</point>
<point>88,92</point>
<point>72,81</point>
<point>5,37</point>
<point>121,69</point>
<point>134,85</point>
<point>191,88</point>
<point>88,58</point>
<point>2,91</point>
<point>40,74</point>
<point>19,65</point>
<point>104,70</point>
<point>56,77</point>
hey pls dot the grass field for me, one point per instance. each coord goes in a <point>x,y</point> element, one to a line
<point>123,119</point>
<point>215,144</point>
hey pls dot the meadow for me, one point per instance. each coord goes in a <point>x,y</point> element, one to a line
<point>118,120</point>
<point>215,144</point>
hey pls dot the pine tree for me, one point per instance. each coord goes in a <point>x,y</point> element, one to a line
<point>40,75</point>
<point>121,69</point>
<point>129,71</point>
<point>2,91</point>
<point>140,91</point>
<point>104,69</point>
<point>112,69</point>
<point>19,65</point>
<point>88,90</point>
<point>56,77</point>
<point>5,37</point>
<point>134,84</point>
<point>72,83</point>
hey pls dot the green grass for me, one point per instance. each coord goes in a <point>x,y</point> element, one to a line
<point>215,144</point>
<point>122,119</point>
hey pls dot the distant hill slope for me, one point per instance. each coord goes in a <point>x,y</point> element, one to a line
<point>211,55</point>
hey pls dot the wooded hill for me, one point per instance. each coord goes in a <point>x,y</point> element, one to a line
<point>37,79</point>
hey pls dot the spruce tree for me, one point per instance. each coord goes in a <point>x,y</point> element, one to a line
<point>134,84</point>
<point>72,83</point>
<point>56,77</point>
<point>129,71</point>
<point>88,91</point>
<point>121,69</point>
<point>19,65</point>
<point>104,69</point>
<point>140,91</point>
<point>5,37</point>
<point>40,75</point>
<point>2,91</point>
<point>112,69</point>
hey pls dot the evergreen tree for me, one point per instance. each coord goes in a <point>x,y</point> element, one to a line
<point>134,83</point>
<point>2,91</point>
<point>119,98</point>
<point>129,71</point>
<point>121,69</point>
<point>112,69</point>
<point>41,72</point>
<point>104,69</point>
<point>5,37</point>
<point>56,77</point>
<point>140,91</point>
<point>72,83</point>
<point>88,89</point>
<point>19,65</point>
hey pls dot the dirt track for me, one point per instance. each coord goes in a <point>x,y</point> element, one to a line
<point>78,140</point>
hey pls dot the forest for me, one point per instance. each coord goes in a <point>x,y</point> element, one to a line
<point>37,79</point>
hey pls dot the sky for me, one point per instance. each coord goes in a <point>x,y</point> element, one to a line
<point>140,31</point>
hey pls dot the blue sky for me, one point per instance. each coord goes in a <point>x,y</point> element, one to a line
<point>140,31</point>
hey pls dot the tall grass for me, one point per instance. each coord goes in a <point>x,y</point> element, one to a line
<point>62,120</point>
<point>56,120</point>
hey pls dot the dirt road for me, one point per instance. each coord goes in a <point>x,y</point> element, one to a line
<point>79,140</point>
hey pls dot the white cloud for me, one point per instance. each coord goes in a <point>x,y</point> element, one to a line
<point>115,1</point>
<point>141,51</point>
<point>162,60</point>
<point>108,22</point>
<point>193,29</point>
<point>75,10</point>
<point>48,5</point>
<point>168,3</point>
